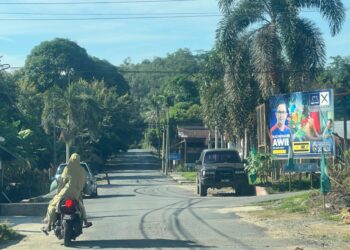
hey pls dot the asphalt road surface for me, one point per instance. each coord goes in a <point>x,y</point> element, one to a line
<point>143,209</point>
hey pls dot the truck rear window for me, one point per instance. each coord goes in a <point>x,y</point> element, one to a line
<point>222,157</point>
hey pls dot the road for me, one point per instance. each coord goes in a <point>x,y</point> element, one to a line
<point>142,208</point>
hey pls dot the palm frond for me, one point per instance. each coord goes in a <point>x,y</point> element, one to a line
<point>267,59</point>
<point>307,55</point>
<point>234,23</point>
<point>332,10</point>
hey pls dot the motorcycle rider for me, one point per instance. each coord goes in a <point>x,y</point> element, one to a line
<point>72,183</point>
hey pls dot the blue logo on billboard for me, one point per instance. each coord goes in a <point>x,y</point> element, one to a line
<point>315,99</point>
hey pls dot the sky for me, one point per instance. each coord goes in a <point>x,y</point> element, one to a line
<point>135,29</point>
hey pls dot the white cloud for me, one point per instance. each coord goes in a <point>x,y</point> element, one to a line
<point>6,39</point>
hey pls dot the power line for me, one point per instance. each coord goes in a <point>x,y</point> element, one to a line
<point>95,2</point>
<point>116,16</point>
<point>108,14</point>
<point>109,18</point>
<point>128,14</point>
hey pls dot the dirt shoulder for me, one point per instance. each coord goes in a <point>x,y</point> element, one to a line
<point>311,231</point>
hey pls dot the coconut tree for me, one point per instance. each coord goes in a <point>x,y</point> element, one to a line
<point>75,110</point>
<point>281,40</point>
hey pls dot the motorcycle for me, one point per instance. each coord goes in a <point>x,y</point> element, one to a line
<point>69,223</point>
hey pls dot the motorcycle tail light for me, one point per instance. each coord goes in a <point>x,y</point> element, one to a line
<point>69,203</point>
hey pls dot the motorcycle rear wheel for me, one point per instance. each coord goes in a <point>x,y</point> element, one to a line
<point>67,233</point>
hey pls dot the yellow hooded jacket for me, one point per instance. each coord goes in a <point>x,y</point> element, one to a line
<point>73,181</point>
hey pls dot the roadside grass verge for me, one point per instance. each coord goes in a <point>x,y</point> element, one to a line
<point>309,203</point>
<point>188,175</point>
<point>298,203</point>
<point>7,233</point>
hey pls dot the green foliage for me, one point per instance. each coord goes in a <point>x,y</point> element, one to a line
<point>340,175</point>
<point>149,76</point>
<point>337,74</point>
<point>282,43</point>
<point>298,203</point>
<point>47,62</point>
<point>259,164</point>
<point>296,184</point>
<point>185,112</point>
<point>187,175</point>
<point>57,62</point>
<point>181,89</point>
<point>166,84</point>
<point>152,138</point>
<point>23,181</point>
<point>7,233</point>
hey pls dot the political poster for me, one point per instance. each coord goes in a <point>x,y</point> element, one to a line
<point>302,122</point>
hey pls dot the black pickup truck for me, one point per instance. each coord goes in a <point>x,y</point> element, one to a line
<point>218,168</point>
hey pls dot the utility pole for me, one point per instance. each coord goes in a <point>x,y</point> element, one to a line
<point>167,145</point>
<point>68,72</point>
<point>216,137</point>
<point>54,138</point>
<point>209,140</point>
<point>185,156</point>
<point>163,151</point>
<point>67,143</point>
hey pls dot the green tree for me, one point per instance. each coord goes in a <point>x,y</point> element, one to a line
<point>181,89</point>
<point>212,92</point>
<point>47,61</point>
<point>282,41</point>
<point>337,74</point>
<point>149,76</point>
<point>74,110</point>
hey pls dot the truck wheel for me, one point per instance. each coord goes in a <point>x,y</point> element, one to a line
<point>202,190</point>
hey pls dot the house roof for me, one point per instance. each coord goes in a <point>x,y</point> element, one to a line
<point>194,132</point>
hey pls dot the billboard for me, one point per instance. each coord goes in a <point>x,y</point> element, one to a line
<point>302,122</point>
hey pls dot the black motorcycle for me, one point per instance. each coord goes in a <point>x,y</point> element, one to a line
<point>69,222</point>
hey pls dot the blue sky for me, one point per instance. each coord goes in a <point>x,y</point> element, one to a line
<point>117,39</point>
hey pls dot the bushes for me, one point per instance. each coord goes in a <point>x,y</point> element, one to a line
<point>22,181</point>
<point>259,165</point>
<point>340,179</point>
<point>7,233</point>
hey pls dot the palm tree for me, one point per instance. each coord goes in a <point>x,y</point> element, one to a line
<point>75,110</point>
<point>281,40</point>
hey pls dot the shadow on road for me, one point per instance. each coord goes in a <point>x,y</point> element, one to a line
<point>108,216</point>
<point>224,194</point>
<point>137,243</point>
<point>136,177</point>
<point>111,196</point>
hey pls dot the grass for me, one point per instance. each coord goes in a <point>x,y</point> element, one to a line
<point>332,217</point>
<point>310,203</point>
<point>346,238</point>
<point>7,233</point>
<point>188,175</point>
<point>293,204</point>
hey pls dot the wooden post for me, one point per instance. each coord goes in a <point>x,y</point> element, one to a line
<point>311,182</point>
<point>2,176</point>
<point>290,182</point>
<point>185,155</point>
<point>107,177</point>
